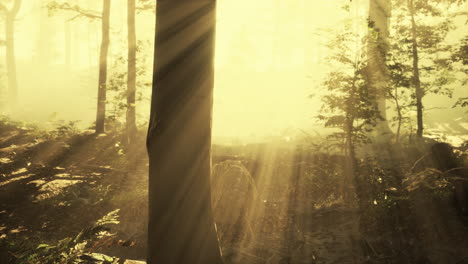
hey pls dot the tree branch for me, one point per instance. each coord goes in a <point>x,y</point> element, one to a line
<point>145,5</point>
<point>16,7</point>
<point>14,10</point>
<point>76,9</point>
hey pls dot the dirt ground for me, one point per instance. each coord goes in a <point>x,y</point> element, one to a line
<point>52,188</point>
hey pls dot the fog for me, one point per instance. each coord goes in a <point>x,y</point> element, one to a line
<point>269,66</point>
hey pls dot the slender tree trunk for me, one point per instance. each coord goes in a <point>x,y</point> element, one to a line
<point>67,45</point>
<point>400,120</point>
<point>101,100</point>
<point>351,160</point>
<point>11,61</point>
<point>379,13</point>
<point>351,153</point>
<point>181,228</point>
<point>416,79</point>
<point>351,165</point>
<point>10,16</point>
<point>350,173</point>
<point>131,75</point>
<point>396,100</point>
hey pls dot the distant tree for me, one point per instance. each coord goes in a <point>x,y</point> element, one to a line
<point>416,78</point>
<point>399,93</point>
<point>131,76</point>
<point>3,91</point>
<point>46,33</point>
<point>420,34</point>
<point>461,56</point>
<point>117,84</point>
<point>9,14</point>
<point>349,105</point>
<point>68,45</point>
<point>105,40</point>
<point>378,26</point>
<point>132,7</point>
<point>101,99</point>
<point>181,228</point>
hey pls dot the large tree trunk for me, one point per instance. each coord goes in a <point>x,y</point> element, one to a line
<point>379,13</point>
<point>10,16</point>
<point>416,78</point>
<point>131,75</point>
<point>181,228</point>
<point>101,100</point>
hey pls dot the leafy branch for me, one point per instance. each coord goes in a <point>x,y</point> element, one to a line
<point>80,12</point>
<point>463,102</point>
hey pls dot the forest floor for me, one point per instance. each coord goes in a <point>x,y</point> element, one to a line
<point>54,186</point>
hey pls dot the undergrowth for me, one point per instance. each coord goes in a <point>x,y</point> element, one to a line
<point>80,248</point>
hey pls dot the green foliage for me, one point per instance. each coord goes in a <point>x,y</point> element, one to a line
<point>64,128</point>
<point>385,217</point>
<point>399,91</point>
<point>437,56</point>
<point>438,183</point>
<point>54,7</point>
<point>380,184</point>
<point>460,57</point>
<point>8,123</point>
<point>462,153</point>
<point>117,85</point>
<point>461,53</point>
<point>462,102</point>
<point>77,249</point>
<point>348,106</point>
<point>324,174</point>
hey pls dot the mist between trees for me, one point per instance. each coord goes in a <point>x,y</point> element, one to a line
<point>308,131</point>
<point>281,53</point>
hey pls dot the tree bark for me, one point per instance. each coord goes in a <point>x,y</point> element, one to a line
<point>10,16</point>
<point>131,74</point>
<point>399,114</point>
<point>351,161</point>
<point>350,173</point>
<point>181,228</point>
<point>101,99</point>
<point>379,13</point>
<point>416,78</point>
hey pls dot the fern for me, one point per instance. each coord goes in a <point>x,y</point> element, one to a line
<point>77,249</point>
